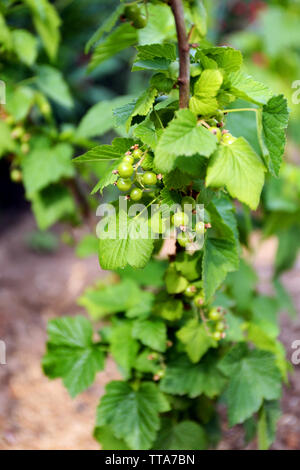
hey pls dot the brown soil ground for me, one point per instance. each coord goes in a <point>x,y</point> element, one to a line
<point>36,413</point>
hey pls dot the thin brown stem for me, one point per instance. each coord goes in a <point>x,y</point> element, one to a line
<point>184,53</point>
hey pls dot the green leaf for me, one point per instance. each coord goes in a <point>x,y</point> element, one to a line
<point>184,378</point>
<point>47,23</point>
<point>245,87</point>
<point>99,119</point>
<point>253,377</point>
<point>87,246</point>
<point>19,102</point>
<point>124,348</point>
<point>154,57</point>
<point>175,283</point>
<point>5,35</point>
<point>42,167</point>
<point>106,27</point>
<point>221,249</point>
<point>133,415</point>
<point>183,137</point>
<point>199,16</point>
<point>145,363</point>
<point>151,275</point>
<point>111,299</point>
<point>176,179</point>
<point>205,91</point>
<point>186,435</point>
<point>25,46</point>
<point>169,309</point>
<point>121,38</point>
<point>52,204</point>
<point>71,353</point>
<point>100,153</point>
<point>152,333</point>
<point>160,25</point>
<point>242,285</point>
<point>126,243</point>
<point>267,423</point>
<point>239,169</point>
<point>6,142</point>
<point>266,342</point>
<point>227,58</point>
<point>220,258</point>
<point>143,105</point>
<point>196,339</point>
<point>274,122</point>
<point>51,82</point>
<point>146,133</point>
<point>123,113</point>
<point>107,439</point>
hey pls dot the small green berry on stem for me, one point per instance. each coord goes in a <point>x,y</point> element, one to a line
<point>128,159</point>
<point>190,291</point>
<point>149,178</point>
<point>16,175</point>
<point>220,326</point>
<point>188,200</point>
<point>183,239</point>
<point>137,154</point>
<point>199,300</point>
<point>216,131</point>
<point>136,194</point>
<point>180,219</point>
<point>124,184</point>
<point>227,139</point>
<point>215,314</point>
<point>217,335</point>
<point>125,170</point>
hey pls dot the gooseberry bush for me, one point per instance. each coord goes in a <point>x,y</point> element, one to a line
<point>192,334</point>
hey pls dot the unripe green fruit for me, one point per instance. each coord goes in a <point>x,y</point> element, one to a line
<point>125,170</point>
<point>131,12</point>
<point>17,132</point>
<point>137,154</point>
<point>183,239</point>
<point>136,194</point>
<point>200,228</point>
<point>140,22</point>
<point>198,300</point>
<point>149,178</point>
<point>188,200</point>
<point>9,120</point>
<point>180,219</point>
<point>228,139</point>
<point>16,176</point>
<point>124,184</point>
<point>217,335</point>
<point>190,291</point>
<point>25,148</point>
<point>214,314</point>
<point>216,131</point>
<point>220,326</point>
<point>128,159</point>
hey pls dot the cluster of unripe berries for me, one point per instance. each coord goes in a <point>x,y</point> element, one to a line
<point>180,220</point>
<point>223,136</point>
<point>126,170</point>
<point>135,15</point>
<point>216,316</point>
<point>18,133</point>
